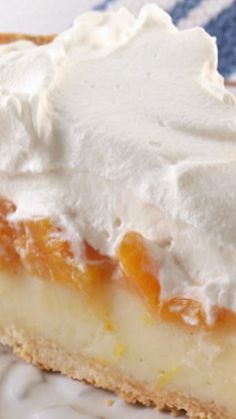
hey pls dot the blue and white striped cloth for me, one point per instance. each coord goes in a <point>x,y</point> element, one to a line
<point>218,17</point>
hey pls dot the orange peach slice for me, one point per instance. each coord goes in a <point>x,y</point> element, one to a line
<point>139,267</point>
<point>9,259</point>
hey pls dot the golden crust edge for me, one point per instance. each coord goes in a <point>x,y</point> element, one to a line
<point>6,38</point>
<point>49,356</point>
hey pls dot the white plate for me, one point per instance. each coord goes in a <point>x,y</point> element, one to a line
<point>28,393</point>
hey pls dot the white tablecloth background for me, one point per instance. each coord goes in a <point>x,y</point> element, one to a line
<point>40,16</point>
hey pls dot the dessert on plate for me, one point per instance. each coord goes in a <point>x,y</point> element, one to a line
<point>117,210</point>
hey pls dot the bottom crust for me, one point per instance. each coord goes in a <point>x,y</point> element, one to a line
<point>49,356</point>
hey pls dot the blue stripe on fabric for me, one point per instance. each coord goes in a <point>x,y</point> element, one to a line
<point>182,9</point>
<point>223,27</point>
<point>103,5</point>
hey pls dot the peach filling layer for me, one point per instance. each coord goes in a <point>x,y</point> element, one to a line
<point>39,247</point>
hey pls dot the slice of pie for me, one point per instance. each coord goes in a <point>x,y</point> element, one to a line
<point>117,211</point>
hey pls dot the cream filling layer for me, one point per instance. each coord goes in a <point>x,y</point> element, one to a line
<point>123,335</point>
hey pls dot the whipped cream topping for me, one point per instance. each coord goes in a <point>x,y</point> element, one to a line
<point>121,124</point>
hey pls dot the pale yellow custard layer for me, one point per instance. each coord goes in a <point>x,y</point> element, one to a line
<point>125,336</point>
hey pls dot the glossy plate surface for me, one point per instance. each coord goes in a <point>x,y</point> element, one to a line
<point>28,393</point>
